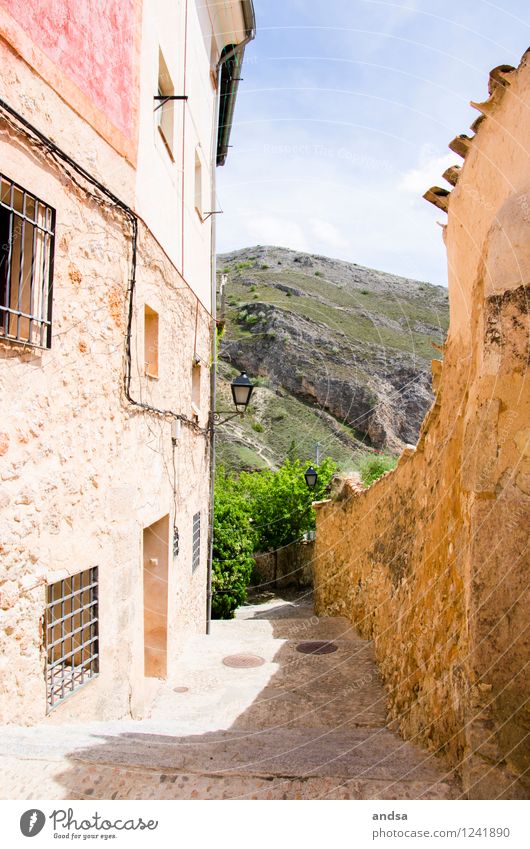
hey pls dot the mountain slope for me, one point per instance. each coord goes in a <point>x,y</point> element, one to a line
<point>344,353</point>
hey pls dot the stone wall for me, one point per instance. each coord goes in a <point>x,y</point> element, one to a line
<point>82,470</point>
<point>432,561</point>
<point>290,566</point>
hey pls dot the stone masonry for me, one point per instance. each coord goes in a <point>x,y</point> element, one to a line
<point>432,561</point>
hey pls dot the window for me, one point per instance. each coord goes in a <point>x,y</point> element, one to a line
<point>196,389</point>
<point>150,342</point>
<point>72,635</point>
<point>164,111</point>
<point>196,550</point>
<point>198,184</point>
<point>27,227</point>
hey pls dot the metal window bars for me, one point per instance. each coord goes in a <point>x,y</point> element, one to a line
<point>196,548</point>
<point>27,233</point>
<point>72,635</point>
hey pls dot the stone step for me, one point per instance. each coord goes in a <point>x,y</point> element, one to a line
<point>76,780</point>
<point>300,628</point>
<point>364,754</point>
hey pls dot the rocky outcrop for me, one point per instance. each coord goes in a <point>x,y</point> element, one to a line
<point>352,341</point>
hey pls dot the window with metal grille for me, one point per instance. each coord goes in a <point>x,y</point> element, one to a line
<point>72,635</point>
<point>27,228</point>
<point>196,552</point>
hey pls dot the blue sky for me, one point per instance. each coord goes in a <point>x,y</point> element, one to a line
<point>343,120</point>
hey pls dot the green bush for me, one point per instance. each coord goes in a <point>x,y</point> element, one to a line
<point>258,511</point>
<point>258,427</point>
<point>233,544</point>
<point>318,274</point>
<point>241,266</point>
<point>374,466</point>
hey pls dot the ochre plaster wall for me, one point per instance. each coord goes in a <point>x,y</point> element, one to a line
<point>432,561</point>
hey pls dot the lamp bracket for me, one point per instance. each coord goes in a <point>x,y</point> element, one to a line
<point>216,417</point>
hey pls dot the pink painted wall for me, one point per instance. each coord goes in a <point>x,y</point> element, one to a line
<point>93,43</point>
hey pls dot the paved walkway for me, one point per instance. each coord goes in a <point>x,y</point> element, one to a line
<point>298,726</point>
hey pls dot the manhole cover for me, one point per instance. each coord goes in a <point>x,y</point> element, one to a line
<point>241,661</point>
<point>180,689</point>
<point>316,647</point>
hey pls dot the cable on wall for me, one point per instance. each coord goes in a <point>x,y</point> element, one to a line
<point>37,136</point>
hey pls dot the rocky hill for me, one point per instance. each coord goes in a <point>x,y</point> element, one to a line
<point>341,353</point>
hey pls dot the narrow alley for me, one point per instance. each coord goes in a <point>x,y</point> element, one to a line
<point>275,704</point>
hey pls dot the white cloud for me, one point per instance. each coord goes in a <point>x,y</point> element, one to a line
<point>327,233</point>
<point>428,172</point>
<point>269,230</point>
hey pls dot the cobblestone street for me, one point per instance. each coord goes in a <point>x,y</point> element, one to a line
<point>297,726</point>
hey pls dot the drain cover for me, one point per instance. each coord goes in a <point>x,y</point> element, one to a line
<point>316,647</point>
<point>242,661</point>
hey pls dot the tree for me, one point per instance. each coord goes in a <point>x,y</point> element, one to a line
<point>233,545</point>
<point>258,511</point>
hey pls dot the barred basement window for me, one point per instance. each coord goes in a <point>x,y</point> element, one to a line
<point>196,553</point>
<point>27,228</point>
<point>72,635</point>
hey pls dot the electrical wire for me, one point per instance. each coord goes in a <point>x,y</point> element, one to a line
<point>59,154</point>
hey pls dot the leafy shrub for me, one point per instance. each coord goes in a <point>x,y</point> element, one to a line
<point>318,274</point>
<point>258,511</point>
<point>241,266</point>
<point>258,427</point>
<point>365,291</point>
<point>374,466</point>
<point>251,319</point>
<point>233,545</point>
<point>264,267</point>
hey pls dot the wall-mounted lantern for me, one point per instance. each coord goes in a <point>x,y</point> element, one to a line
<point>241,391</point>
<point>311,477</point>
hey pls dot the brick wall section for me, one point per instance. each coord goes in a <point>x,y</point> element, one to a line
<point>432,561</point>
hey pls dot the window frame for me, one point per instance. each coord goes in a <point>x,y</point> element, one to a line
<point>58,593</point>
<point>40,290</point>
<point>196,541</point>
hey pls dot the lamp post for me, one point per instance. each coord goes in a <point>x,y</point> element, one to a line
<point>311,477</point>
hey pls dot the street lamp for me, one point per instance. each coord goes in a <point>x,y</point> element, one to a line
<point>311,477</point>
<point>241,391</point>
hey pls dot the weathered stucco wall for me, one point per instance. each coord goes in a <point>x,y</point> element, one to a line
<point>432,561</point>
<point>82,471</point>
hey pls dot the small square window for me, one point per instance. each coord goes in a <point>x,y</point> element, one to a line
<point>72,635</point>
<point>150,342</point>
<point>164,111</point>
<point>198,184</point>
<point>27,232</point>
<point>196,548</point>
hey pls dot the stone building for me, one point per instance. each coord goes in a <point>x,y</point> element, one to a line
<point>112,118</point>
<point>432,560</point>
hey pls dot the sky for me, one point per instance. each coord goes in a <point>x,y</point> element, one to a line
<point>343,119</point>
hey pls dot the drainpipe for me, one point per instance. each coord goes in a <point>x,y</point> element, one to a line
<point>239,49</point>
